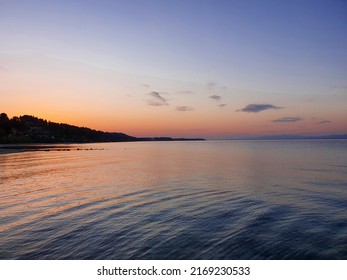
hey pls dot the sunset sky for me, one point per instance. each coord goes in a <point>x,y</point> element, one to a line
<point>181,68</point>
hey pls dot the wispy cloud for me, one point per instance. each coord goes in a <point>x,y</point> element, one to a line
<point>288,120</point>
<point>216,97</point>
<point>255,108</point>
<point>3,69</point>
<point>186,92</point>
<point>324,122</point>
<point>215,86</point>
<point>211,85</point>
<point>157,99</point>
<point>146,85</point>
<point>184,108</point>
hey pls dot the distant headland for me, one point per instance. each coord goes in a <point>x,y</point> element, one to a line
<point>30,129</point>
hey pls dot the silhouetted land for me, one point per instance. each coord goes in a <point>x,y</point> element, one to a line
<point>30,129</point>
<point>295,137</point>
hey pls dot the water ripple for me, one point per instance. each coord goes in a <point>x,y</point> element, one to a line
<point>112,205</point>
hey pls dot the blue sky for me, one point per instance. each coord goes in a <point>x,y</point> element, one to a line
<point>288,54</point>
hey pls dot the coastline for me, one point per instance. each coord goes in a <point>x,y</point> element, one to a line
<point>33,148</point>
<point>9,151</point>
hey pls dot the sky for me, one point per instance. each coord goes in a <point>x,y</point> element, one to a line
<point>216,69</point>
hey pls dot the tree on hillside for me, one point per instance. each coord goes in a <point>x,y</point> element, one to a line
<point>3,118</point>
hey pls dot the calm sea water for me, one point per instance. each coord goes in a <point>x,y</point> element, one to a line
<point>176,200</point>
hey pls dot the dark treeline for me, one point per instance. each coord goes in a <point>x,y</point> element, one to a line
<point>30,129</point>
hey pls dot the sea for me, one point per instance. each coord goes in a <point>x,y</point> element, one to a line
<point>191,200</point>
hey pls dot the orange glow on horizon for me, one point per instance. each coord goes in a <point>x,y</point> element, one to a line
<point>184,126</point>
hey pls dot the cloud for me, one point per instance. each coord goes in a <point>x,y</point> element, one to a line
<point>215,86</point>
<point>186,92</point>
<point>255,108</point>
<point>146,85</point>
<point>288,120</point>
<point>216,97</point>
<point>3,69</point>
<point>324,122</point>
<point>184,108</point>
<point>211,85</point>
<point>157,99</point>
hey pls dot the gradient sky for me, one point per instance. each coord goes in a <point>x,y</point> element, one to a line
<point>181,68</point>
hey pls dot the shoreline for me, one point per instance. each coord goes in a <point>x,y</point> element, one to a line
<point>9,151</point>
<point>37,148</point>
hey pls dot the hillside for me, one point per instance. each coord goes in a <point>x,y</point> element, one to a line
<point>30,129</point>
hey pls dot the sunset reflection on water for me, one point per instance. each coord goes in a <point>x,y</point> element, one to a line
<point>176,200</point>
